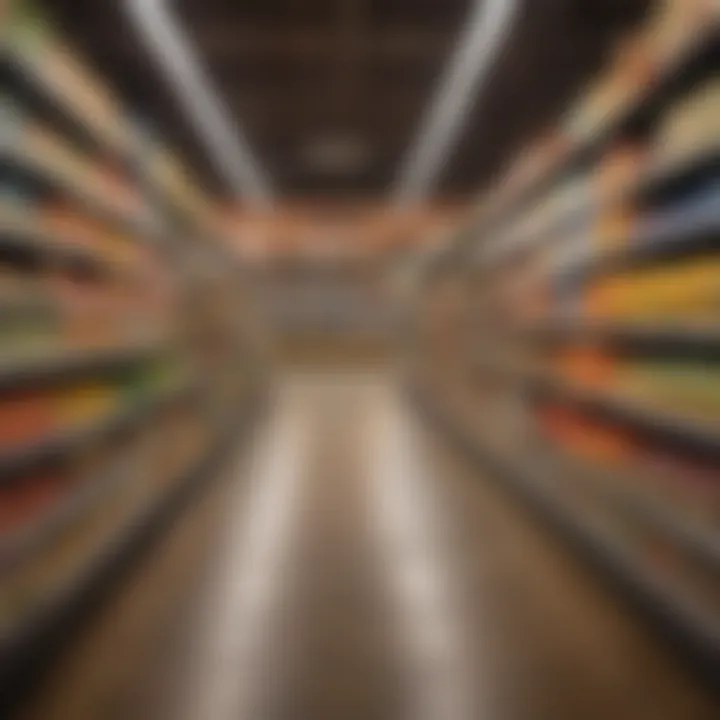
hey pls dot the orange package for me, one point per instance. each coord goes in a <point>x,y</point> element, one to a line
<point>25,417</point>
<point>586,365</point>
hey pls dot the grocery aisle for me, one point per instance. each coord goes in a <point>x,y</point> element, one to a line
<point>350,566</point>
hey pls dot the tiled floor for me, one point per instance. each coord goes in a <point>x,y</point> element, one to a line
<point>350,566</point>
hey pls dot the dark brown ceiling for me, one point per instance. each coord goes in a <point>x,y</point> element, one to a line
<point>294,71</point>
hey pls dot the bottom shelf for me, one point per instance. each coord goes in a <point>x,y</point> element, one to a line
<point>694,630</point>
<point>26,650</point>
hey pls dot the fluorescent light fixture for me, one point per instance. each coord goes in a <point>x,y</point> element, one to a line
<point>487,28</point>
<point>224,140</point>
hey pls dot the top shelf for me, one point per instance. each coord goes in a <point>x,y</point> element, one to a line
<point>46,72</point>
<point>652,181</point>
<point>40,70</point>
<point>694,59</point>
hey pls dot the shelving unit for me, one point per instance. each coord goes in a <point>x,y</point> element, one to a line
<point>668,237</point>
<point>67,441</point>
<point>701,437</point>
<point>700,336</point>
<point>45,366</point>
<point>587,367</point>
<point>566,154</point>
<point>694,628</point>
<point>110,271</point>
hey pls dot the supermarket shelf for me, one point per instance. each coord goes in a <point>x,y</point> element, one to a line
<point>25,76</point>
<point>28,648</point>
<point>19,544</point>
<point>122,147</point>
<point>695,58</point>
<point>47,364</point>
<point>96,203</point>
<point>56,250</point>
<point>688,336</point>
<point>695,631</point>
<point>675,172</point>
<point>656,179</point>
<point>684,233</point>
<point>702,543</point>
<point>646,105</point>
<point>703,437</point>
<point>40,452</point>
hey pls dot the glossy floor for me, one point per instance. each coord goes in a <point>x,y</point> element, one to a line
<point>349,565</point>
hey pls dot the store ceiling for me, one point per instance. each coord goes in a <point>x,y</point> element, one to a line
<point>330,92</point>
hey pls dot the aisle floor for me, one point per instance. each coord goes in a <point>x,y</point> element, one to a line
<point>349,565</point>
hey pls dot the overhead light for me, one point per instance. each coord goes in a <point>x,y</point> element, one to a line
<point>486,30</point>
<point>224,140</point>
